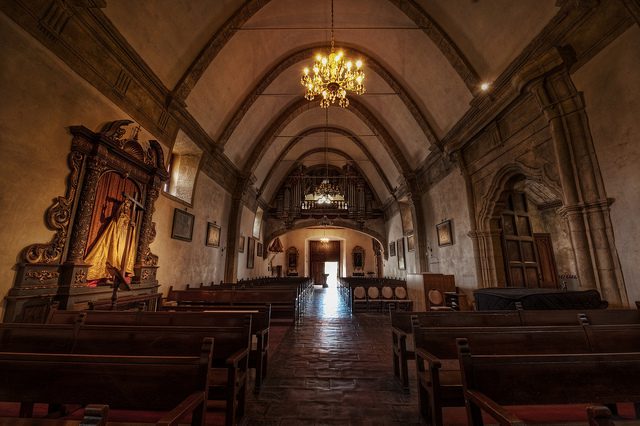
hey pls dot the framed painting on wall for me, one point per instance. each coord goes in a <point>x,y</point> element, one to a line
<point>251,252</point>
<point>445,234</point>
<point>241,244</point>
<point>182,228</point>
<point>213,235</point>
<point>400,244</point>
<point>259,250</point>
<point>411,243</point>
<point>392,248</point>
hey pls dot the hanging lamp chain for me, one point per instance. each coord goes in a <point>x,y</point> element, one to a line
<point>332,25</point>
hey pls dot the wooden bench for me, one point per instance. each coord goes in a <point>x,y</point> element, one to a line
<point>228,375</point>
<point>260,320</point>
<point>285,304</point>
<point>402,338</point>
<point>492,382</point>
<point>600,415</point>
<point>439,382</point>
<point>438,373</point>
<point>176,385</point>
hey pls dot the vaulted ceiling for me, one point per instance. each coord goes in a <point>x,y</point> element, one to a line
<point>236,65</point>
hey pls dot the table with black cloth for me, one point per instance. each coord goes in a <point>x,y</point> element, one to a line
<point>489,299</point>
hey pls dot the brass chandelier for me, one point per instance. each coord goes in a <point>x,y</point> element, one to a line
<point>334,76</point>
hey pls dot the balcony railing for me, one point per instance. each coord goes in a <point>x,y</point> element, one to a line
<point>332,205</point>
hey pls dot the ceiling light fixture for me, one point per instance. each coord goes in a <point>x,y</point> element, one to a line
<point>334,76</point>
<point>485,86</point>
<point>327,191</point>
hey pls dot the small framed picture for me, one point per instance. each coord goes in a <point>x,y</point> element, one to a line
<point>241,244</point>
<point>411,243</point>
<point>251,252</point>
<point>392,248</point>
<point>401,264</point>
<point>445,233</point>
<point>213,235</point>
<point>182,228</point>
<point>259,250</point>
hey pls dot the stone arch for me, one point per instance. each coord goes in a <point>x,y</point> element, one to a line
<point>545,217</point>
<point>344,223</point>
<point>308,52</point>
<point>423,20</point>
<point>356,140</point>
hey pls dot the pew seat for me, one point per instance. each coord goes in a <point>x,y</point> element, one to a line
<point>492,383</point>
<point>175,386</point>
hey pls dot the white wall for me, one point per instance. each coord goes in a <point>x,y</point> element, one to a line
<point>192,262</point>
<point>611,86</point>
<point>447,200</point>
<point>394,233</point>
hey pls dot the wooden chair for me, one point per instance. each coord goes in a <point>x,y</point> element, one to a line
<point>401,299</point>
<point>359,298</point>
<point>374,301</point>
<point>388,300</point>
<point>437,301</point>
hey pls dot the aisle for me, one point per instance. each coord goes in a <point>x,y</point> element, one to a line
<point>333,369</point>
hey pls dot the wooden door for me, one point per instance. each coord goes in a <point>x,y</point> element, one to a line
<point>521,262</point>
<point>546,261</point>
<point>318,254</point>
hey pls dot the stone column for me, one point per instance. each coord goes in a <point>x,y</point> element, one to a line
<point>419,228</point>
<point>585,202</point>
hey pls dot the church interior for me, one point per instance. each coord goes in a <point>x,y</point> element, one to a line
<point>379,186</point>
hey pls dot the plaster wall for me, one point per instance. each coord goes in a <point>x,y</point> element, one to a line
<point>349,239</point>
<point>394,233</point>
<point>447,200</point>
<point>192,262</point>
<point>41,97</point>
<point>611,90</point>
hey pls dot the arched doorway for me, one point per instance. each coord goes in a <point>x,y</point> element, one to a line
<point>527,241</point>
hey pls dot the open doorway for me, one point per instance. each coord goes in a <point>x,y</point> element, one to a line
<point>331,270</point>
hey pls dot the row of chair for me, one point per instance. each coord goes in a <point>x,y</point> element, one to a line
<point>380,299</point>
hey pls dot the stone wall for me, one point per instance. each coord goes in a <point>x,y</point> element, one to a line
<point>447,200</point>
<point>611,90</point>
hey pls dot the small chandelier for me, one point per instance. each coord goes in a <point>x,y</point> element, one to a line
<point>327,191</point>
<point>325,222</point>
<point>333,77</point>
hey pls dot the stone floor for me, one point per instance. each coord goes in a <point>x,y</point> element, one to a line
<point>334,368</point>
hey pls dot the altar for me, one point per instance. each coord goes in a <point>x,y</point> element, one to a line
<point>489,299</point>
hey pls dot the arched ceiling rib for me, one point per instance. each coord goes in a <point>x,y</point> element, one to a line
<point>298,107</point>
<point>305,54</point>
<point>355,140</point>
<point>422,20</point>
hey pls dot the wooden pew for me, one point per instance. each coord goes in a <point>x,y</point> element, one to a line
<point>402,337</point>
<point>401,326</point>
<point>438,372</point>
<point>285,304</point>
<point>178,385</point>
<point>228,375</point>
<point>600,415</point>
<point>260,321</point>
<point>492,382</point>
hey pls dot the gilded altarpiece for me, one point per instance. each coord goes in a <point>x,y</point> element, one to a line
<point>107,170</point>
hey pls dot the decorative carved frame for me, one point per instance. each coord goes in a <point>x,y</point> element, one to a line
<point>56,270</point>
<point>357,258</point>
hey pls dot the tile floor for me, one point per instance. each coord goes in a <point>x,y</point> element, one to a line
<point>334,368</point>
